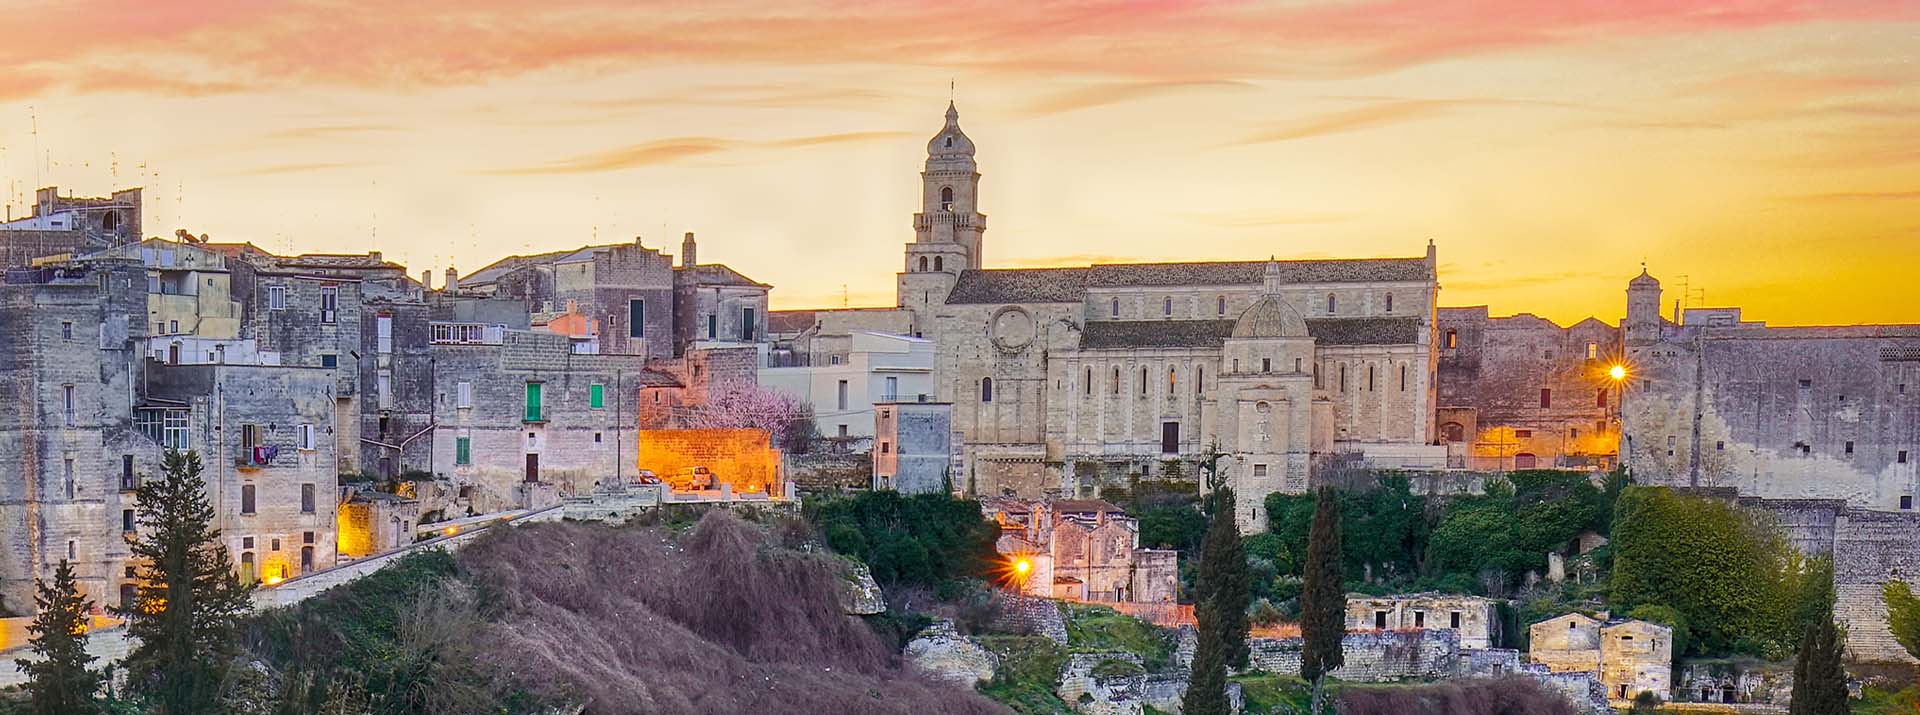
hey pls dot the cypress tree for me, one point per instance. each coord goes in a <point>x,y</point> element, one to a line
<point>1207,683</point>
<point>189,597</point>
<point>1222,580</point>
<point>1323,596</point>
<point>59,681</point>
<point>1819,679</point>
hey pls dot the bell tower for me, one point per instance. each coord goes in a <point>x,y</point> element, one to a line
<point>948,227</point>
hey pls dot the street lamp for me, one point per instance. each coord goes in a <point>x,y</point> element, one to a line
<point>1618,372</point>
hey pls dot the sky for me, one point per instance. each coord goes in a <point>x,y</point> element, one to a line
<point>1759,153</point>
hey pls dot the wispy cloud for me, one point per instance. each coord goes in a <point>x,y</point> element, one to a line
<point>677,149</point>
<point>1117,92</point>
<point>276,169</point>
<point>333,131</point>
<point>1257,219</point>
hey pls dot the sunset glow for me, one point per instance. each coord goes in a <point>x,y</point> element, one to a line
<point>1547,148</point>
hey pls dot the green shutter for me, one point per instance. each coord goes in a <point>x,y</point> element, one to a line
<point>463,451</point>
<point>596,396</point>
<point>533,402</point>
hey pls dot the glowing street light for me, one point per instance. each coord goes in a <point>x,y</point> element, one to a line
<point>1022,567</point>
<point>1618,372</point>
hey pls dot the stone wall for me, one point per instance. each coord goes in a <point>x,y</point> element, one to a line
<point>1372,656</point>
<point>1491,377</point>
<point>826,470</point>
<point>1034,616</point>
<point>1869,547</point>
<point>737,457</point>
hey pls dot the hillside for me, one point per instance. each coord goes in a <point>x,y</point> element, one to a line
<point>725,617</point>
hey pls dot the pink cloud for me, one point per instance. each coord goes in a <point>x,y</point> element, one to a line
<point>213,45</point>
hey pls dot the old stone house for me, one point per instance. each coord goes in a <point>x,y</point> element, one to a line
<point>1083,549</point>
<point>71,225</point>
<point>1476,619</point>
<point>912,446</point>
<point>1629,656</point>
<point>1520,392</point>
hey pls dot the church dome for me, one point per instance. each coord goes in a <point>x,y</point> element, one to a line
<point>1270,317</point>
<point>1644,281</point>
<point>950,142</point>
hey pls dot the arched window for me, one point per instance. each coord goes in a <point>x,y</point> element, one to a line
<point>1343,378</point>
<point>1330,304</point>
<point>1143,379</point>
<point>1116,381</point>
<point>923,263</point>
<point>1453,340</point>
<point>1223,305</point>
<point>946,195</point>
<point>949,141</point>
<point>1172,379</point>
<point>939,263</point>
<point>1166,309</point>
<point>1199,379</point>
<point>1389,302</point>
<point>1089,385</point>
<point>1370,378</point>
<point>1403,377</point>
<point>986,389</point>
<point>1116,307</point>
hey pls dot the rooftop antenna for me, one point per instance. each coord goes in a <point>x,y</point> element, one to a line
<point>843,295</point>
<point>33,122</point>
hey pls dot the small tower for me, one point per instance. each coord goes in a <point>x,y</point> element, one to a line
<point>688,258</point>
<point>947,230</point>
<point>1643,309</point>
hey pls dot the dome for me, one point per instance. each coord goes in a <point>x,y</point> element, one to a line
<point>1643,281</point>
<point>1270,317</point>
<point>950,142</point>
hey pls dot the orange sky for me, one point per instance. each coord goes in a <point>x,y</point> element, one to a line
<point>1768,151</point>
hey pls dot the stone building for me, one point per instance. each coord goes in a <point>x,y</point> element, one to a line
<point>645,304</point>
<point>1630,656</point>
<point>1520,392</point>
<point>1869,546</point>
<point>189,289</point>
<point>876,368</point>
<point>912,446</point>
<point>1476,619</point>
<point>1083,549</point>
<point>71,450</point>
<point>264,437</point>
<point>1823,412</point>
<point>309,319</point>
<point>70,225</point>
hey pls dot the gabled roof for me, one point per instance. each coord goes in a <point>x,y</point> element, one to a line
<point>1069,285</point>
<point>1137,334</point>
<point>718,274</point>
<point>789,321</point>
<point>1086,506</point>
<point>1019,285</point>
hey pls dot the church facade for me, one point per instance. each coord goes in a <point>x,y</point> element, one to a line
<point>1067,380</point>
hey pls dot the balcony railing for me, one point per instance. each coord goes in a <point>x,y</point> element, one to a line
<point>467,333</point>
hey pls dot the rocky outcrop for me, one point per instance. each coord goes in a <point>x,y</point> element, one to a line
<point>859,594</point>
<point>944,654</point>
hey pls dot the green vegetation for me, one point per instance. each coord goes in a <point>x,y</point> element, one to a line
<point>189,598</point>
<point>1273,694</point>
<point>59,682</point>
<point>1729,575</point>
<point>1093,629</point>
<point>1819,680</point>
<point>1903,615</point>
<point>1323,602</point>
<point>925,539</point>
<point>1220,603</point>
<point>1028,673</point>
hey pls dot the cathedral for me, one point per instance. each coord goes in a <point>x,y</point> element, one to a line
<point>1066,380</point>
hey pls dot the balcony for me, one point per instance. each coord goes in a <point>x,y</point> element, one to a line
<point>256,457</point>
<point>467,333</point>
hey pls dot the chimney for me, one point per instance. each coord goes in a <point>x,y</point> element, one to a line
<point>453,280</point>
<point>426,279</point>
<point>375,256</point>
<point>688,259</point>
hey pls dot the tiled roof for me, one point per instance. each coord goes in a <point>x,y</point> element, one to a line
<point>1069,285</point>
<point>1085,506</point>
<point>1138,334</point>
<point>337,260</point>
<point>709,274</point>
<point>656,378</point>
<point>1019,285</point>
<point>492,271</point>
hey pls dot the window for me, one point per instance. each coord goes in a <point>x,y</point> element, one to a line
<point>840,395</point>
<point>1089,384</point>
<point>1546,397</point>
<point>596,396</point>
<point>305,436</point>
<point>596,438</point>
<point>1849,447</point>
<point>886,448</point>
<point>946,192</point>
<point>1901,458</point>
<point>1266,364</point>
<point>1906,502</point>
<point>246,567</point>
<point>746,324</point>
<point>463,394</point>
<point>1166,309</point>
<point>1380,619</point>
<point>843,431</point>
<point>1453,620</point>
<point>306,559</point>
<point>1419,619</point>
<point>1453,340</point>
<point>1143,381</point>
<point>71,491</point>
<point>66,330</point>
<point>1116,307</point>
<point>1524,460</point>
<point>986,389</point>
<point>1199,379</point>
<point>939,263</point>
<point>893,388</point>
<point>1222,305</point>
<point>1403,377</point>
<point>1369,378</point>
<point>329,360</point>
<point>66,392</point>
<point>1593,351</point>
<point>1343,378</point>
<point>462,451</point>
<point>173,326</point>
<point>160,327</point>
<point>246,498</point>
<point>383,334</point>
<point>1169,438</point>
<point>1600,397</point>
<point>1296,366</point>
<point>383,388</point>
<point>713,326</point>
<point>306,498</point>
<point>1173,380</point>
<point>1116,381</point>
<point>536,411</point>
<point>127,481</point>
<point>1330,304</point>
<point>1574,432</point>
<point>1389,302</point>
<point>1523,433</point>
<point>923,264</point>
<point>329,303</point>
<point>276,297</point>
<point>1259,470</point>
<point>126,520</point>
<point>636,318</point>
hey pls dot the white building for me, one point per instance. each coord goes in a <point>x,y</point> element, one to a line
<point>878,368</point>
